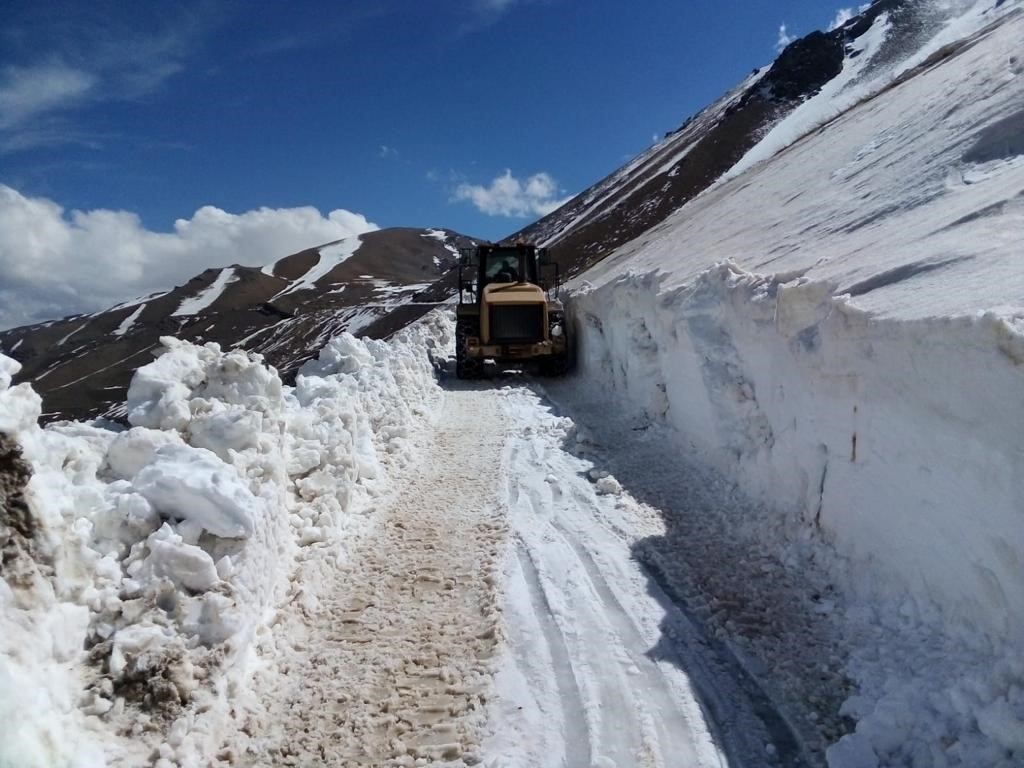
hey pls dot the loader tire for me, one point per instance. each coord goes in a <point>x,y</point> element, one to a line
<point>556,365</point>
<point>466,367</point>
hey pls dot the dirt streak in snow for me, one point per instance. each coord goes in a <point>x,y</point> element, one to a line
<point>397,656</point>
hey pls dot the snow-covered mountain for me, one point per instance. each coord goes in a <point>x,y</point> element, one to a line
<point>775,517</point>
<point>371,284</point>
<point>812,81</point>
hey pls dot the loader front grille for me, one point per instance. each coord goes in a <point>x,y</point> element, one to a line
<point>517,324</point>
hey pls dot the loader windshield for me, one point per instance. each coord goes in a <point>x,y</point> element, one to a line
<point>509,265</point>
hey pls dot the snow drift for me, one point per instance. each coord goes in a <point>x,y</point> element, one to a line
<point>139,564</point>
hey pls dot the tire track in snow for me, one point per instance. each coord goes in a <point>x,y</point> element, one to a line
<point>711,704</point>
<point>622,731</point>
<point>738,707</point>
<point>671,723</point>
<point>577,739</point>
<point>633,716</point>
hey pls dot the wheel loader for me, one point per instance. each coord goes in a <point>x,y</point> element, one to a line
<point>509,311</point>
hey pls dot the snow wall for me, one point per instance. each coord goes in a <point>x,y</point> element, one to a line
<point>141,565</point>
<point>890,448</point>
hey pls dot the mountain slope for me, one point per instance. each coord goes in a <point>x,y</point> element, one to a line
<point>645,191</point>
<point>372,284</point>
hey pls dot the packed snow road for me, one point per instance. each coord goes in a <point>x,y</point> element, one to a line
<point>496,616</point>
<point>393,665</point>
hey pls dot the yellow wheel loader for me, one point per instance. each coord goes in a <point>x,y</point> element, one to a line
<point>509,310</point>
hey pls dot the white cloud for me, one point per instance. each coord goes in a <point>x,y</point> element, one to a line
<point>843,15</point>
<point>385,152</point>
<point>26,92</point>
<point>784,38</point>
<point>506,195</point>
<point>62,62</point>
<point>54,263</point>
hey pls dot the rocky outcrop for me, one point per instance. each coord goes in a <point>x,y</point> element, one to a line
<point>18,528</point>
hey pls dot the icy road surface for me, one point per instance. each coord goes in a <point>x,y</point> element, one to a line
<point>496,617</point>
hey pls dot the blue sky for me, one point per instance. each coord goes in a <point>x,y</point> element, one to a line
<point>378,107</point>
<point>403,111</point>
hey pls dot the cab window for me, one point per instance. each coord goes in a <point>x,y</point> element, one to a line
<point>502,266</point>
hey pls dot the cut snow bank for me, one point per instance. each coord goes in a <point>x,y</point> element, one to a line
<point>899,441</point>
<point>162,549</point>
<point>890,450</point>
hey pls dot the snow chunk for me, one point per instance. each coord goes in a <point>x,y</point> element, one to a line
<point>608,485</point>
<point>162,393</point>
<point>137,642</point>
<point>343,354</point>
<point>851,752</point>
<point>222,428</point>
<point>20,406</point>
<point>130,451</point>
<point>158,392</point>
<point>194,484</point>
<point>184,564</point>
<point>9,367</point>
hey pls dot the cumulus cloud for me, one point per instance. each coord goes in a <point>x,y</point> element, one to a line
<point>537,195</point>
<point>784,38</point>
<point>54,263</point>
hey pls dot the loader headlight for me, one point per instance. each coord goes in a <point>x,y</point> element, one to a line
<point>556,330</point>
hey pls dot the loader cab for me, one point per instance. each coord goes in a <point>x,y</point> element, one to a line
<point>487,265</point>
<point>508,265</point>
